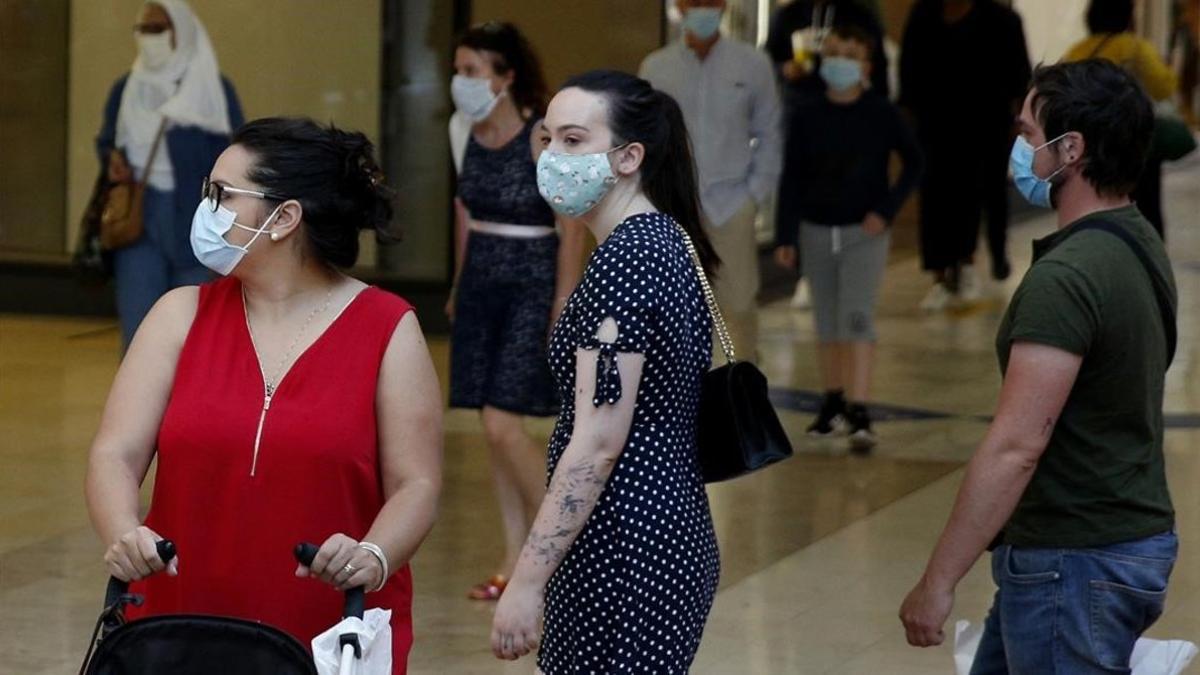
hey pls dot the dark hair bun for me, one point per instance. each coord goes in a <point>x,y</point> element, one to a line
<point>331,172</point>
<point>361,174</point>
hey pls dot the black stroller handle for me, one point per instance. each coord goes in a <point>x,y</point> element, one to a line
<point>355,597</point>
<point>118,588</point>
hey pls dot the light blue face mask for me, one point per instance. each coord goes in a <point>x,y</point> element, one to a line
<point>1035,189</point>
<point>573,184</point>
<point>841,73</point>
<point>209,227</point>
<point>702,22</point>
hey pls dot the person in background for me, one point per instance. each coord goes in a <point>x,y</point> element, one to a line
<point>285,402</point>
<point>174,87</point>
<point>963,70</point>
<point>1071,474</point>
<point>730,101</point>
<point>513,271</point>
<point>622,557</point>
<point>799,72</point>
<point>837,198</point>
<point>794,48</point>
<point>1185,40</point>
<point>1110,24</point>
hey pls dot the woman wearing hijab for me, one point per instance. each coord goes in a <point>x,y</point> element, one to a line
<point>175,88</point>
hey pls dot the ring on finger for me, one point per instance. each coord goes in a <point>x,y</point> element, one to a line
<point>349,569</point>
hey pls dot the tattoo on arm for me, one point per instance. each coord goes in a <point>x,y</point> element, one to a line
<point>1048,427</point>
<point>574,492</point>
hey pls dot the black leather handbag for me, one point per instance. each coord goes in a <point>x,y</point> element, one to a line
<point>739,431</point>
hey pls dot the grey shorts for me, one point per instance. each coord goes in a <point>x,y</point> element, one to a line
<point>844,267</point>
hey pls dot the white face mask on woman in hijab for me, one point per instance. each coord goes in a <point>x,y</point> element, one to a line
<point>154,51</point>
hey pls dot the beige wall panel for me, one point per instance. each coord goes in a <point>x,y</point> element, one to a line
<point>33,107</point>
<point>285,57</point>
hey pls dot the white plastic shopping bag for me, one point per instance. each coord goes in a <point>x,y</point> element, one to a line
<point>1162,657</point>
<point>1150,657</point>
<point>966,643</point>
<point>374,632</point>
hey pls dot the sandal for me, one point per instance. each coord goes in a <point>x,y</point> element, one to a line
<point>490,589</point>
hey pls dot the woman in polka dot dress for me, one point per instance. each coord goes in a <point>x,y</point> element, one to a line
<point>622,557</point>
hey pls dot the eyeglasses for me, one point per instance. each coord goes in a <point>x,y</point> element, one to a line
<point>215,192</point>
<point>151,28</point>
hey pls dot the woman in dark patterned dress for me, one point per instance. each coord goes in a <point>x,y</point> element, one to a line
<point>622,556</point>
<point>513,273</point>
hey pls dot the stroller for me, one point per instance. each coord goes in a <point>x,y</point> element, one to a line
<point>183,644</point>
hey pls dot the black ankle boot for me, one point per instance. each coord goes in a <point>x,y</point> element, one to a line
<point>832,414</point>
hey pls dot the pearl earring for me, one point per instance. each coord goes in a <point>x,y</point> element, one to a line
<point>274,236</point>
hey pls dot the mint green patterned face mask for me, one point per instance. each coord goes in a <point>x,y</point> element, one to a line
<point>573,184</point>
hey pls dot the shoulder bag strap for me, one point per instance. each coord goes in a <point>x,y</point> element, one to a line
<point>162,129</point>
<point>1161,293</point>
<point>1100,46</point>
<point>714,310</point>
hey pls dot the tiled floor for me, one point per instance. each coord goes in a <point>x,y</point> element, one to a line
<point>816,552</point>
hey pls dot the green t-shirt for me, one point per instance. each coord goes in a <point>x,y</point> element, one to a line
<point>1102,478</point>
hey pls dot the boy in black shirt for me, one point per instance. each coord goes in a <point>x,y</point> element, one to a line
<point>835,196</point>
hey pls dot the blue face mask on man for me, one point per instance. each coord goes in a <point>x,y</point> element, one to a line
<point>1034,188</point>
<point>702,22</point>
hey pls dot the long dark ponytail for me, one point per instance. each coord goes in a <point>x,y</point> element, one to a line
<point>639,113</point>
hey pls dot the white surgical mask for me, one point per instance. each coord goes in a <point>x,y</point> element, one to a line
<point>155,50</point>
<point>473,96</point>
<point>209,228</point>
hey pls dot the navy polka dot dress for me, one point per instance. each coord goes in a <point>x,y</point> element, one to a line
<point>635,589</point>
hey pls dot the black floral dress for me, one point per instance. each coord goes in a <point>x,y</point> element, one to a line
<point>506,291</point>
<point>635,589</point>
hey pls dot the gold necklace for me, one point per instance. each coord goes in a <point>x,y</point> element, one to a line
<point>270,384</point>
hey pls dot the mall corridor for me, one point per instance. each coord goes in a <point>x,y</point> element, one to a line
<point>816,553</point>
<point>483,248</point>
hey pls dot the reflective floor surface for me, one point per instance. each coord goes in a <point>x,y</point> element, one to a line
<point>816,552</point>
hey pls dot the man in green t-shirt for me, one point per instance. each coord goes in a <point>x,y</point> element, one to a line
<point>1071,474</point>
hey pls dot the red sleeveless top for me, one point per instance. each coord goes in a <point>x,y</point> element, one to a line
<point>316,474</point>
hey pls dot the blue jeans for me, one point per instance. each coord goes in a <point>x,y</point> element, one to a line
<point>154,264</point>
<point>1073,611</point>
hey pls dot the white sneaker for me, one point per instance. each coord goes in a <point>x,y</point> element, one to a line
<point>936,299</point>
<point>970,289</point>
<point>801,299</point>
<point>863,440</point>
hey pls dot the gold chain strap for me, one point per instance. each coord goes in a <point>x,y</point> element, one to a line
<point>714,310</point>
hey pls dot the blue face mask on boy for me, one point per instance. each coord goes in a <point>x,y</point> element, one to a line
<point>841,73</point>
<point>1035,189</point>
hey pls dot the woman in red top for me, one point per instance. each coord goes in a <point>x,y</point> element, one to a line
<point>285,402</point>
